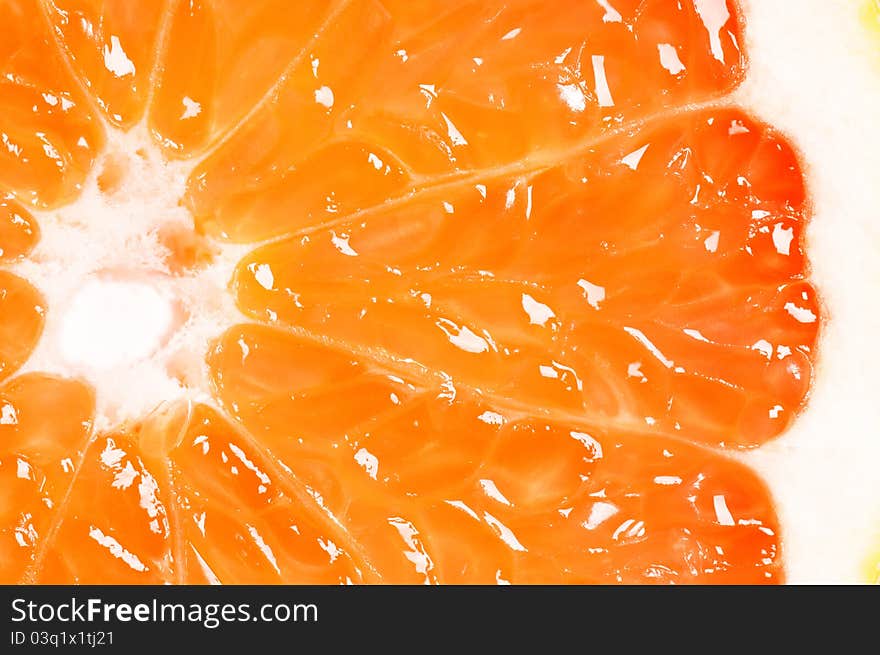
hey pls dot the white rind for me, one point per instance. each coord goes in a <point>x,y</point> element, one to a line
<point>815,75</point>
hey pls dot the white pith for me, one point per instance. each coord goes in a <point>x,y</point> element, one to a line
<point>89,248</point>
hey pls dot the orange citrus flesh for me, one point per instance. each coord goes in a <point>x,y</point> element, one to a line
<point>215,68</point>
<point>46,422</point>
<point>50,139</point>
<point>21,321</point>
<point>581,297</point>
<point>18,230</point>
<point>111,46</point>
<point>402,459</point>
<point>462,89</point>
<point>527,275</point>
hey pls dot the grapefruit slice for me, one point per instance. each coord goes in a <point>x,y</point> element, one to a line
<point>517,274</point>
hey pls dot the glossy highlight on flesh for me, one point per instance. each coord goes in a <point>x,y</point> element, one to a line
<point>517,279</point>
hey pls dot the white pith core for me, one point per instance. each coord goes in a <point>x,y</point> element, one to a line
<point>111,322</point>
<point>116,315</point>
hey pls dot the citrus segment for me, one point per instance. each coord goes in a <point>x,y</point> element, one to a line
<point>21,321</point>
<point>202,508</point>
<point>259,163</point>
<point>440,485</point>
<point>114,527</point>
<point>424,93</point>
<point>112,45</point>
<point>45,423</point>
<point>48,134</point>
<point>18,230</point>
<point>241,518</point>
<point>214,70</point>
<point>565,290</point>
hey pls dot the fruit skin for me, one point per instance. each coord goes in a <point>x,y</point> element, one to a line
<point>424,395</point>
